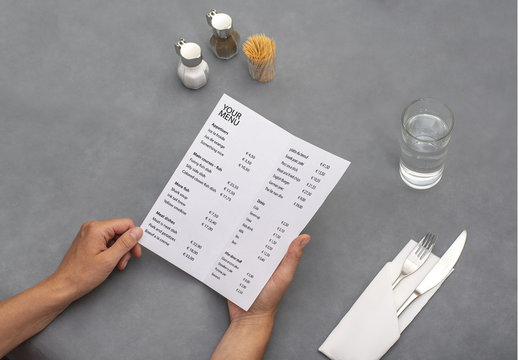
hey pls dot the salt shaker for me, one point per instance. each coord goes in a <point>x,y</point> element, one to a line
<point>192,69</point>
<point>224,39</point>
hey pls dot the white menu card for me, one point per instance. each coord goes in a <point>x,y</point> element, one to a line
<point>244,190</point>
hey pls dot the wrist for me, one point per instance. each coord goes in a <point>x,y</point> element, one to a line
<point>262,321</point>
<point>63,290</point>
<point>246,338</point>
<point>253,333</point>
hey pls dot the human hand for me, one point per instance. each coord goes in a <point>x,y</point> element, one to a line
<point>87,263</point>
<point>98,247</point>
<point>249,331</point>
<point>265,306</point>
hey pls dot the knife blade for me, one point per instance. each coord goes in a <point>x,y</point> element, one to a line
<point>439,272</point>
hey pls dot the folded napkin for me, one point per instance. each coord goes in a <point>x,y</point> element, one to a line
<point>371,326</point>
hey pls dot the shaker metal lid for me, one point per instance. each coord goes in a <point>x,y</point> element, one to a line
<point>190,53</point>
<point>221,23</point>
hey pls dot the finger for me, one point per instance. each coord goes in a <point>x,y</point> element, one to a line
<point>137,251</point>
<point>112,241</point>
<point>113,227</point>
<point>124,261</point>
<point>291,260</point>
<point>124,244</point>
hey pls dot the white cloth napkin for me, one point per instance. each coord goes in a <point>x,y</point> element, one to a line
<point>371,326</point>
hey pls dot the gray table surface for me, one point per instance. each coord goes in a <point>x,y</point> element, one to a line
<point>93,121</point>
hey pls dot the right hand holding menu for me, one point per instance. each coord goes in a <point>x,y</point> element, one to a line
<point>250,331</point>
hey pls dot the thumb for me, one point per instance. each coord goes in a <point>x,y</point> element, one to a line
<point>124,243</point>
<point>291,260</point>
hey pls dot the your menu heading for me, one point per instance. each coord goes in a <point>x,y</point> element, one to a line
<point>231,115</point>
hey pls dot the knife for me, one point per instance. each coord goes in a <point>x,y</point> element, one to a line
<point>439,272</point>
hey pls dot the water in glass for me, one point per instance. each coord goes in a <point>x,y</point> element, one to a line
<point>423,150</point>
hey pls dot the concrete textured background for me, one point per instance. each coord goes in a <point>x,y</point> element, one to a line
<point>93,121</point>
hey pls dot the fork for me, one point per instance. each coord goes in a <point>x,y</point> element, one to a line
<point>417,257</point>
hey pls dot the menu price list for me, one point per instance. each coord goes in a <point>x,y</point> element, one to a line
<point>243,191</point>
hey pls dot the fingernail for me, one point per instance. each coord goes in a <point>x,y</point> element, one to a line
<point>124,263</point>
<point>304,241</point>
<point>136,232</point>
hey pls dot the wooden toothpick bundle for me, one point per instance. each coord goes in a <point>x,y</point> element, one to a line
<point>260,51</point>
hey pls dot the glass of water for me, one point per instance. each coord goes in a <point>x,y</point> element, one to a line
<point>426,126</point>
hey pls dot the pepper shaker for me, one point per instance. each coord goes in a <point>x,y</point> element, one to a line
<point>224,39</point>
<point>192,69</point>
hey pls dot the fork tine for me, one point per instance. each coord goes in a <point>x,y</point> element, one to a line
<point>424,237</point>
<point>425,253</point>
<point>419,249</point>
<point>431,240</point>
<point>434,240</point>
<point>429,247</point>
<point>423,244</point>
<point>420,245</point>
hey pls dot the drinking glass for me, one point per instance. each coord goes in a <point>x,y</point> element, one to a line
<point>426,126</point>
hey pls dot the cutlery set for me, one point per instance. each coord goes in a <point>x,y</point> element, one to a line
<point>439,272</point>
<point>376,320</point>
